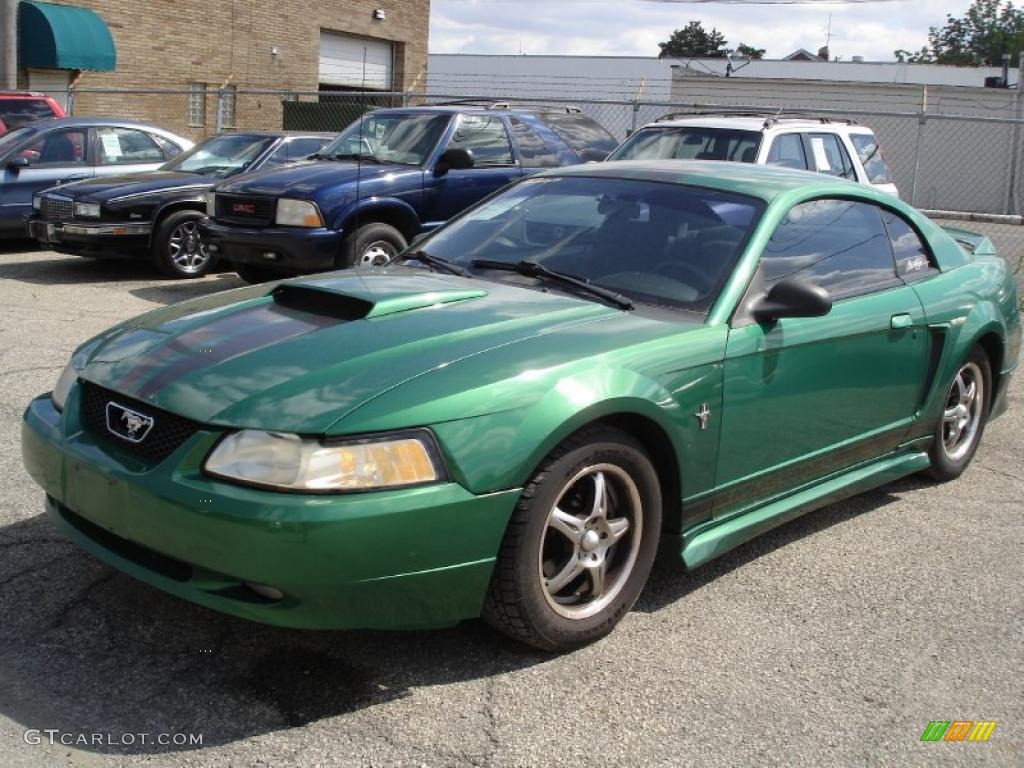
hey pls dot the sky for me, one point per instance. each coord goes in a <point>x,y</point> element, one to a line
<point>635,27</point>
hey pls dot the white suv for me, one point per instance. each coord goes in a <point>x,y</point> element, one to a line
<point>836,147</point>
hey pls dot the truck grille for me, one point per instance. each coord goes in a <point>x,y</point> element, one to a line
<point>258,211</point>
<point>57,208</point>
<point>164,437</point>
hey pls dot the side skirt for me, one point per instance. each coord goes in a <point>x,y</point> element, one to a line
<point>706,542</point>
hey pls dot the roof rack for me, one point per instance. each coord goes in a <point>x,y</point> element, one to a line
<point>488,104</point>
<point>771,116</point>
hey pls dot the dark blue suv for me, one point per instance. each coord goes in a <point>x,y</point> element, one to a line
<point>389,176</point>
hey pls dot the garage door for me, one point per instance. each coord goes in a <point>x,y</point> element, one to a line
<point>355,62</point>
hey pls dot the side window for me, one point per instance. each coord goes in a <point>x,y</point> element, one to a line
<point>840,245</point>
<point>485,137</point>
<point>830,156</point>
<point>913,260</point>
<point>788,151</point>
<point>533,150</point>
<point>126,145</point>
<point>300,149</point>
<point>870,155</point>
<point>67,147</point>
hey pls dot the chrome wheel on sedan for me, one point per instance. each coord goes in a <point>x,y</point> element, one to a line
<point>178,248</point>
<point>186,249</point>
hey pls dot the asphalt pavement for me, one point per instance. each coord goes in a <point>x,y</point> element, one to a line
<point>832,641</point>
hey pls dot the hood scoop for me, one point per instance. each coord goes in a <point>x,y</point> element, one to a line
<point>327,301</point>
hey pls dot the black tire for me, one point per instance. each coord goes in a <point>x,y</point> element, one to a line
<point>950,458</point>
<point>178,250</point>
<point>254,273</point>
<point>372,245</point>
<point>520,602</point>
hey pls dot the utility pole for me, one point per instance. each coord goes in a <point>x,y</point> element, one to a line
<point>9,44</point>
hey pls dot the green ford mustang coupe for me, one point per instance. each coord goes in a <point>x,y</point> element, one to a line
<point>589,365</point>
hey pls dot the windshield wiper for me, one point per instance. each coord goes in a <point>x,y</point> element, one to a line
<point>357,156</point>
<point>533,269</point>
<point>436,263</point>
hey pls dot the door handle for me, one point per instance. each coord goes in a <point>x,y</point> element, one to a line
<point>77,177</point>
<point>903,320</point>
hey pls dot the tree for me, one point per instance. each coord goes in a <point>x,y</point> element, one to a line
<point>750,51</point>
<point>693,42</point>
<point>980,37</point>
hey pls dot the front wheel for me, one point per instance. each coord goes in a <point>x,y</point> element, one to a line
<point>580,544</point>
<point>178,248</point>
<point>372,245</point>
<point>964,414</point>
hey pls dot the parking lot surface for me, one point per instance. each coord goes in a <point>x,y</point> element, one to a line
<point>831,641</point>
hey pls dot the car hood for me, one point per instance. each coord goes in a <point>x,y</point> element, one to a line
<point>299,355</point>
<point>104,188</point>
<point>308,178</point>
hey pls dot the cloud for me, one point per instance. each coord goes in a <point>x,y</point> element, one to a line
<point>635,27</point>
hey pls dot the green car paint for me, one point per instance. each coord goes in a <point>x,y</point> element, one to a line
<point>796,414</point>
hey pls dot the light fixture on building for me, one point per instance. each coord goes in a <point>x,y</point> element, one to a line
<point>275,51</point>
<point>379,14</point>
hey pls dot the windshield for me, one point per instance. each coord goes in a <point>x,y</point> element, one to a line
<point>221,156</point>
<point>406,138</point>
<point>690,143</point>
<point>663,244</point>
<point>16,136</point>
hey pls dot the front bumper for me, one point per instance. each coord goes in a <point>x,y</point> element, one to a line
<point>408,558</point>
<point>113,238</point>
<point>288,249</point>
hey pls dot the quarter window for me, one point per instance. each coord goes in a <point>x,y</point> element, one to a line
<point>485,137</point>
<point>788,151</point>
<point>870,155</point>
<point>840,245</point>
<point>533,149</point>
<point>197,104</point>
<point>830,157</point>
<point>913,261</point>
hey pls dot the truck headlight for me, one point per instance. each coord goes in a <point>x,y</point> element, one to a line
<point>288,462</point>
<point>37,202</point>
<point>62,388</point>
<point>297,213</point>
<point>87,210</point>
<point>211,204</point>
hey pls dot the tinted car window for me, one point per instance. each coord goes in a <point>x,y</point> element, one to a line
<point>840,245</point>
<point>406,138</point>
<point>788,151</point>
<point>485,137</point>
<point>17,112</point>
<point>64,147</point>
<point>586,137</point>
<point>690,143</point>
<point>663,244</point>
<point>533,150</point>
<point>126,145</point>
<point>913,260</point>
<point>830,156</point>
<point>300,149</point>
<point>871,158</point>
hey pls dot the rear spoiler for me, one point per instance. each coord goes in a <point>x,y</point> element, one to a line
<point>972,242</point>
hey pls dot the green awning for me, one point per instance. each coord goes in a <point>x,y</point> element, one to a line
<point>63,37</point>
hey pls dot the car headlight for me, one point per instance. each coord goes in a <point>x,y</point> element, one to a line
<point>37,202</point>
<point>289,462</point>
<point>211,205</point>
<point>87,210</point>
<point>297,213</point>
<point>62,388</point>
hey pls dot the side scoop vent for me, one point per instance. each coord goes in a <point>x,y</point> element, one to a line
<point>316,301</point>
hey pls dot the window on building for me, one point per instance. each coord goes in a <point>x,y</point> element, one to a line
<point>197,104</point>
<point>227,109</point>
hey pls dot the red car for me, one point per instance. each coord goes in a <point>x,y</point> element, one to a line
<point>18,108</point>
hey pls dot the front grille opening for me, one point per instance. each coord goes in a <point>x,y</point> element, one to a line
<point>144,557</point>
<point>169,431</point>
<point>247,210</point>
<point>57,208</point>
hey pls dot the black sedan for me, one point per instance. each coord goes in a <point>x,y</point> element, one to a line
<point>153,215</point>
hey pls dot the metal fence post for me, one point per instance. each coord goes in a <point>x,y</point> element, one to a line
<point>70,101</point>
<point>1012,203</point>
<point>922,120</point>
<point>636,117</point>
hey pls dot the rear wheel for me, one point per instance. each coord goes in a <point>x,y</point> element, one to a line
<point>178,249</point>
<point>371,245</point>
<point>965,412</point>
<point>580,544</point>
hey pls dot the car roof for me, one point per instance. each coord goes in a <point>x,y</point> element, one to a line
<point>278,134</point>
<point>747,123</point>
<point>85,122</point>
<point>502,109</point>
<point>762,181</point>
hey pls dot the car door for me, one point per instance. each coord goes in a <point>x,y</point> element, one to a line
<point>125,150</point>
<point>807,397</point>
<point>55,157</point>
<point>494,166</point>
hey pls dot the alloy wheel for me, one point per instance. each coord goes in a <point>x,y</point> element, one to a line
<point>591,540</point>
<point>186,248</point>
<point>963,412</point>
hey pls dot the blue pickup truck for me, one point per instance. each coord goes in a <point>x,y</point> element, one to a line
<point>389,176</point>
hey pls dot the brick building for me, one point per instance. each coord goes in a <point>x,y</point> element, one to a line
<point>194,48</point>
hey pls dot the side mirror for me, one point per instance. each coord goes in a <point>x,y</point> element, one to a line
<point>792,298</point>
<point>18,163</point>
<point>454,159</point>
